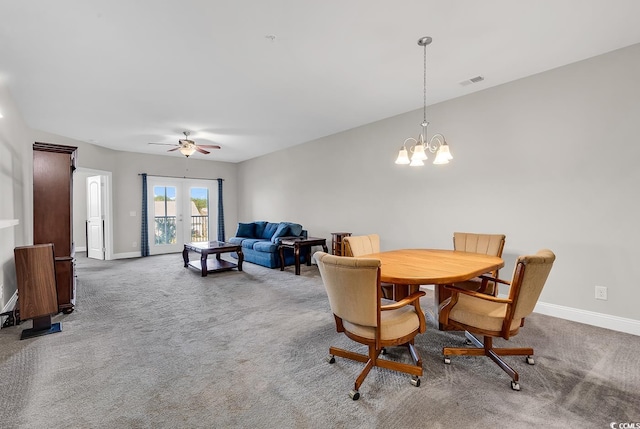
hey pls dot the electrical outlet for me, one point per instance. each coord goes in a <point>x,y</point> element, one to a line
<point>134,244</point>
<point>601,292</point>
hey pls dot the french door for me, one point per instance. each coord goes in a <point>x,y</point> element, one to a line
<point>180,210</point>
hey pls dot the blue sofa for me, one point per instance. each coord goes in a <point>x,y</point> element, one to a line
<point>260,240</point>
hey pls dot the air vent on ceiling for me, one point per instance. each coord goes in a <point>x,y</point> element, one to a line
<point>472,80</point>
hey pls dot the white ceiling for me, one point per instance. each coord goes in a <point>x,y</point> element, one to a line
<point>123,73</point>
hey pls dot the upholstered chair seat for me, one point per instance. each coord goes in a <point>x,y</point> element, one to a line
<point>485,315</point>
<point>393,324</point>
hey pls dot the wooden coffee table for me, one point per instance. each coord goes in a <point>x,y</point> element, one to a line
<point>206,248</point>
<point>297,243</point>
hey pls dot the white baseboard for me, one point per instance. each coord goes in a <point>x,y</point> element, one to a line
<point>126,255</point>
<point>9,306</point>
<point>81,249</point>
<point>621,324</point>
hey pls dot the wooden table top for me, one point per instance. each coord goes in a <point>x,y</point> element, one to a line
<point>432,266</point>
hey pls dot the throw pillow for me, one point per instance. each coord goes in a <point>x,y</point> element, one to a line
<point>295,229</point>
<point>282,231</point>
<point>260,226</point>
<point>246,230</point>
<point>269,229</point>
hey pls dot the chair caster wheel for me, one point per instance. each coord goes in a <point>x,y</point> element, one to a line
<point>354,394</point>
<point>515,385</point>
<point>331,359</point>
<point>447,360</point>
<point>383,351</point>
<point>530,360</point>
<point>415,381</point>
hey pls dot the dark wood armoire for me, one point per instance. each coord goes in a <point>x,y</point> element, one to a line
<point>53,167</point>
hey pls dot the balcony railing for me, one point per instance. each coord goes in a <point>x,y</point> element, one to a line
<point>165,229</point>
<point>199,228</point>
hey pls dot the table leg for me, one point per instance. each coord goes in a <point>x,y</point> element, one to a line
<point>297,253</point>
<point>203,263</point>
<point>240,259</point>
<point>440,293</point>
<point>281,257</point>
<point>400,291</point>
<point>185,256</point>
<point>307,255</point>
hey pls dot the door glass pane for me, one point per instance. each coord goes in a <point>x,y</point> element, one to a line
<point>199,209</point>
<point>165,214</point>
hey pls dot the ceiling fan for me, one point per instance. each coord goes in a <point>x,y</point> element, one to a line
<point>188,147</point>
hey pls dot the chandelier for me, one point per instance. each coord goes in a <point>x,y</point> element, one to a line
<point>419,147</point>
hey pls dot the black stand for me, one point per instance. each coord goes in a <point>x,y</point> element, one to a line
<point>41,326</point>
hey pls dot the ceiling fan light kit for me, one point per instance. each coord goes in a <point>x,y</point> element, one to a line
<point>189,147</point>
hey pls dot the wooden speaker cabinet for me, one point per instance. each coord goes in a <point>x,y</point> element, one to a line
<point>53,167</point>
<point>37,295</point>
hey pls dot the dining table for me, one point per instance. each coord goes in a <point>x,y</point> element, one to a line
<point>407,269</point>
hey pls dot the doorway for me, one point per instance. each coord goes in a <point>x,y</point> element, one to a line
<point>179,211</point>
<point>86,229</point>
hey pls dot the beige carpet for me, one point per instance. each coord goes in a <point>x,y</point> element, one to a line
<point>154,345</point>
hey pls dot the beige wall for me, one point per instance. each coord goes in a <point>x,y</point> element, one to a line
<point>549,160</point>
<point>16,162</point>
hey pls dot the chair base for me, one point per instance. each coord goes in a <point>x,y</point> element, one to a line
<point>372,360</point>
<point>487,349</point>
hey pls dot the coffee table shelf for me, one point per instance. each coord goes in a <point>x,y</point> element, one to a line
<point>213,265</point>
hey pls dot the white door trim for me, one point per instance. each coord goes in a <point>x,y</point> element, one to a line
<point>108,207</point>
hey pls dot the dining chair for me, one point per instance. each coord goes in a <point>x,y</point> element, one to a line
<point>490,316</point>
<point>359,245</point>
<point>487,244</point>
<point>360,312</point>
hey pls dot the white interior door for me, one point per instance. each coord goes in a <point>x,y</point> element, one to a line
<point>95,217</point>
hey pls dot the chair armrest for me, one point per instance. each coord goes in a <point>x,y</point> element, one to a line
<point>486,297</point>
<point>486,278</point>
<point>404,301</point>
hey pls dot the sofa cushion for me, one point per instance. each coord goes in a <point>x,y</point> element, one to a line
<point>236,240</point>
<point>246,230</point>
<point>295,229</point>
<point>260,225</point>
<point>248,243</point>
<point>265,246</point>
<point>269,230</point>
<point>281,231</point>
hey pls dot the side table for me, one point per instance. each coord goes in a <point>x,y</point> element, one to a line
<point>297,243</point>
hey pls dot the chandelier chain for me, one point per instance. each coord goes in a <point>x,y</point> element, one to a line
<point>424,108</point>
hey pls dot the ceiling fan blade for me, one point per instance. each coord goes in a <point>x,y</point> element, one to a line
<point>175,148</point>
<point>211,146</point>
<point>206,152</point>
